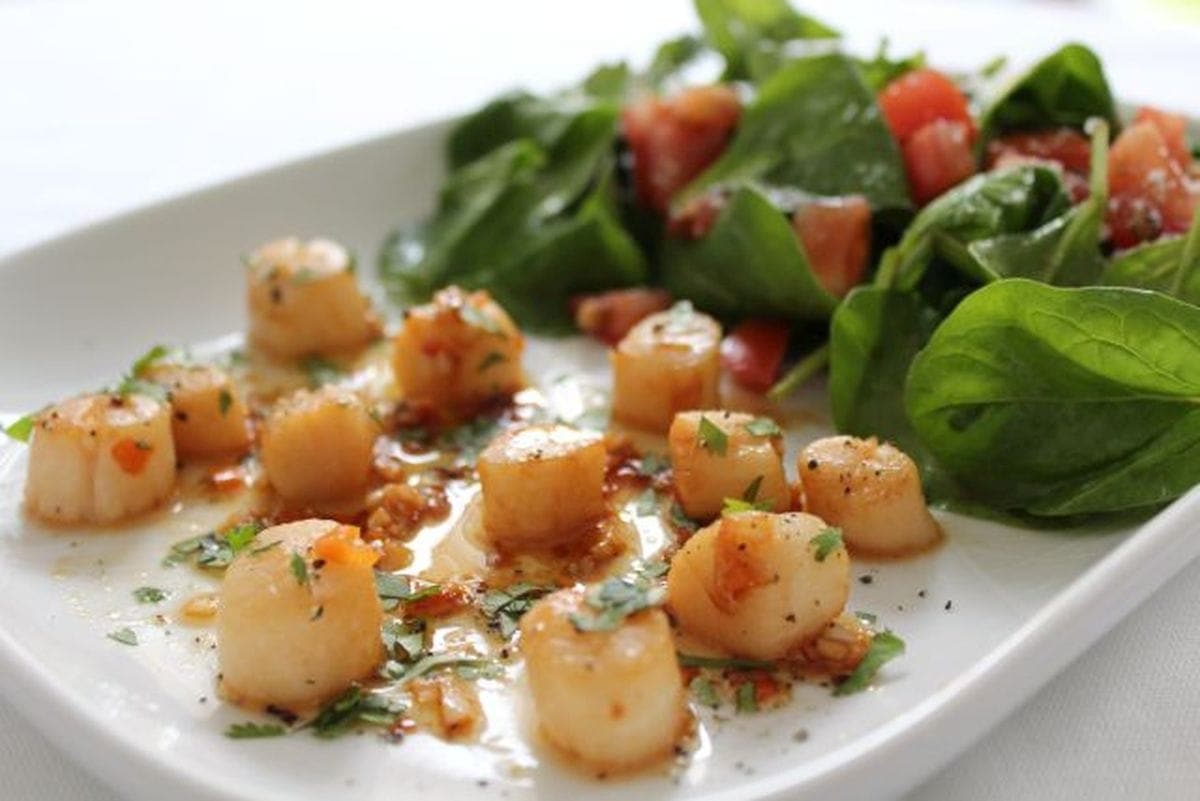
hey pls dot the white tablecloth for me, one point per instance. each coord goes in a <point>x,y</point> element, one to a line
<point>109,105</point>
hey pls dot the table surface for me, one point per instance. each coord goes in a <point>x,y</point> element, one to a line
<point>113,105</point>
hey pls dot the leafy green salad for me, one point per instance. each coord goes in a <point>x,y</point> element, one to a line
<point>997,269</point>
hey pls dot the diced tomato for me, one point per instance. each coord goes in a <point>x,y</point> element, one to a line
<point>919,97</point>
<point>131,455</point>
<point>673,140</point>
<point>936,158</point>
<point>608,316</point>
<point>344,546</point>
<point>1173,128</point>
<point>697,217</point>
<point>1149,192</point>
<point>836,235</point>
<point>449,599</point>
<point>1067,146</point>
<point>753,352</point>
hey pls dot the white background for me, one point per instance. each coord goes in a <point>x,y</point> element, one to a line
<point>109,105</point>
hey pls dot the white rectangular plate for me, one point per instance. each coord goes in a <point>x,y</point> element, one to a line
<point>988,618</point>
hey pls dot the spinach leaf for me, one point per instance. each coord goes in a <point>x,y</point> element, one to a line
<point>814,125</point>
<point>1066,88</point>
<point>881,70</point>
<point>1063,401</point>
<point>1064,251</point>
<point>1170,265</point>
<point>672,56</point>
<point>1019,199</point>
<point>745,30</point>
<point>750,264</point>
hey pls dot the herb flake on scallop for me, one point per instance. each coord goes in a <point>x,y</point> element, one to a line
<point>763,427</point>
<point>21,429</point>
<point>320,371</point>
<point>746,698</point>
<point>355,707</point>
<point>885,646</point>
<point>149,595</point>
<point>503,608</point>
<point>826,542</point>
<point>396,588</point>
<point>710,437</point>
<point>616,599</point>
<point>299,568</point>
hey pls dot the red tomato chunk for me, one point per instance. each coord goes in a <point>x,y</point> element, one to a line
<point>753,352</point>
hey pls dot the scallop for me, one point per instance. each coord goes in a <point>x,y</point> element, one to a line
<point>317,445</point>
<point>100,459</point>
<point>759,585</point>
<point>298,619</point>
<point>458,352</point>
<point>208,413</point>
<point>667,363</point>
<point>717,455</point>
<point>543,485</point>
<point>304,300</point>
<point>872,491</point>
<point>613,699</point>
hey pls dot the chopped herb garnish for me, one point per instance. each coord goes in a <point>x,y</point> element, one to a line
<point>652,464</point>
<point>471,438</point>
<point>733,505</point>
<point>477,319</point>
<point>147,359</point>
<point>826,542</point>
<point>149,595</point>
<point>125,636</point>
<point>764,427</point>
<point>396,588</point>
<point>404,639</point>
<point>137,386</point>
<point>616,599</point>
<point>751,492</point>
<point>885,646</point>
<point>680,519</point>
<point>866,617</point>
<point>474,670</point>
<point>224,401</point>
<point>647,503</point>
<point>746,698</point>
<point>490,361</point>
<point>320,371</point>
<point>434,662</point>
<point>251,731</point>
<point>504,608</point>
<point>21,429</point>
<point>724,663</point>
<point>354,707</point>
<point>703,691</point>
<point>215,549</point>
<point>299,568</point>
<point>711,437</point>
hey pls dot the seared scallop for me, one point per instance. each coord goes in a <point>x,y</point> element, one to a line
<point>100,458</point>
<point>208,414</point>
<point>872,491</point>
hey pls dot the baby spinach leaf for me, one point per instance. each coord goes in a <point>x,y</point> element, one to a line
<point>749,265</point>
<point>1170,265</point>
<point>745,30</point>
<point>1066,88</point>
<point>881,69</point>
<point>1019,199</point>
<point>814,125</point>
<point>1063,401</point>
<point>517,115</point>
<point>671,57</point>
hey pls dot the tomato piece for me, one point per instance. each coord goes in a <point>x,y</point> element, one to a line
<point>608,316</point>
<point>344,546</point>
<point>919,97</point>
<point>836,236</point>
<point>696,217</point>
<point>937,157</point>
<point>1173,128</point>
<point>753,351</point>
<point>673,140</point>
<point>1066,146</point>
<point>131,454</point>
<point>1149,192</point>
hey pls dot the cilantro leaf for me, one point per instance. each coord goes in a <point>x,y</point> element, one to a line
<point>885,646</point>
<point>751,492</point>
<point>826,542</point>
<point>432,662</point>
<point>763,427</point>
<point>616,599</point>
<point>711,437</point>
<point>215,549</point>
<point>703,691</point>
<point>299,568</point>
<point>504,608</point>
<point>354,707</point>
<point>251,730</point>
<point>224,401</point>
<point>396,588</point>
<point>733,505</point>
<point>149,595</point>
<point>21,429</point>
<point>404,639</point>
<point>125,636</point>
<point>746,698</point>
<point>147,359</point>
<point>131,385</point>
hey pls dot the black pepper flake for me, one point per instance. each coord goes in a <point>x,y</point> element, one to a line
<point>920,593</point>
<point>948,605</point>
<point>866,579</point>
<point>800,736</point>
<point>790,618</point>
<point>318,564</point>
<point>276,295</point>
<point>812,464</point>
<point>181,416</point>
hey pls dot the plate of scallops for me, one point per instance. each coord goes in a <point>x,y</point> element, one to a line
<point>761,421</point>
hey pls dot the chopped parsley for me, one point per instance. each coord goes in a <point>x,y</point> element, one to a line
<point>478,319</point>
<point>352,708</point>
<point>616,599</point>
<point>468,667</point>
<point>503,608</point>
<point>723,663</point>
<point>224,401</point>
<point>21,429</point>
<point>320,371</point>
<point>215,549</point>
<point>885,646</point>
<point>490,361</point>
<point>746,699</point>
<point>751,491</point>
<point>826,542</point>
<point>299,568</point>
<point>252,731</point>
<point>125,636</point>
<point>149,595</point>
<point>749,501</point>
<point>703,691</point>
<point>147,360</point>
<point>710,437</point>
<point>763,427</point>
<point>396,588</point>
<point>404,639</point>
<point>470,438</point>
<point>647,503</point>
<point>136,386</point>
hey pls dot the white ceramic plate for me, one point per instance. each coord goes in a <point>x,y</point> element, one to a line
<point>988,618</point>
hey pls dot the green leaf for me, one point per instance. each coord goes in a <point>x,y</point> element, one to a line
<point>396,588</point>
<point>881,70</point>
<point>299,568</point>
<point>482,668</point>
<point>680,519</point>
<point>1170,265</point>
<point>745,699</point>
<point>616,599</point>
<point>320,371</point>
<point>404,640</point>
<point>136,386</point>
<point>148,359</point>
<point>251,731</point>
<point>764,427</point>
<point>21,429</point>
<point>125,636</point>
<point>355,707</point>
<point>710,437</point>
<point>773,278</point>
<point>1066,88</point>
<point>1063,401</point>
<point>734,505</point>
<point>670,57</point>
<point>885,646</point>
<point>744,31</point>
<point>215,549</point>
<point>826,542</point>
<point>224,401</point>
<point>814,125</point>
<point>149,595</point>
<point>703,691</point>
<point>608,82</point>
<point>751,491</point>
<point>503,608</point>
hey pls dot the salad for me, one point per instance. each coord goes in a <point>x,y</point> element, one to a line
<point>998,274</point>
